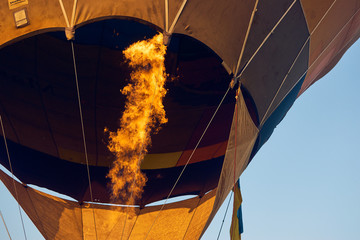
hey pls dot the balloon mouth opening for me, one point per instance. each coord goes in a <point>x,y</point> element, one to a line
<point>38,101</point>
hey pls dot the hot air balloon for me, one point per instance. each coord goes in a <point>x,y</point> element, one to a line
<point>236,68</point>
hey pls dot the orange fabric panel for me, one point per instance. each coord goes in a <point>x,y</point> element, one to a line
<point>57,218</point>
<point>174,219</point>
<point>51,215</point>
<point>197,224</point>
<point>202,154</point>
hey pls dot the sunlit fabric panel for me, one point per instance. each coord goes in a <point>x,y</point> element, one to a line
<point>42,15</point>
<point>57,218</point>
<point>242,138</point>
<point>218,26</point>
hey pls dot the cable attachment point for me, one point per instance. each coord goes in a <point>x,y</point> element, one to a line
<point>238,92</point>
<point>234,81</point>
<point>70,33</point>
<point>167,38</point>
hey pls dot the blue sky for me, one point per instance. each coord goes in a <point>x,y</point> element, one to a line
<point>304,183</point>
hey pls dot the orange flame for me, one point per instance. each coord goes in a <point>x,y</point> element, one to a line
<point>144,113</point>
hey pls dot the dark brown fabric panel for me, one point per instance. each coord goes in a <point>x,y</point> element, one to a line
<point>222,27</point>
<point>21,99</point>
<point>295,74</point>
<point>265,73</point>
<point>266,16</point>
<point>242,138</point>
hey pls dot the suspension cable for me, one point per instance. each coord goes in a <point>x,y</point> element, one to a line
<point>83,132</point>
<point>266,38</point>
<point>12,175</point>
<point>236,120</point>
<point>187,162</point>
<point>303,47</point>
<point>7,230</point>
<point>318,57</point>
<point>246,37</point>
<point>227,207</point>
<point>192,217</point>
<point>172,27</point>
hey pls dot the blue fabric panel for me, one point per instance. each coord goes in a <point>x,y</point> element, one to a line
<point>276,117</point>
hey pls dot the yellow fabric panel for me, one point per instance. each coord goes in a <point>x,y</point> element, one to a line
<point>161,160</point>
<point>222,27</point>
<point>109,221</point>
<point>52,210</point>
<point>246,134</point>
<point>75,156</point>
<point>151,161</point>
<point>234,229</point>
<point>173,221</point>
<point>200,216</point>
<point>150,11</point>
<point>57,218</point>
<point>42,14</point>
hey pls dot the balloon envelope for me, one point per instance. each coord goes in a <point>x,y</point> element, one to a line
<point>276,49</point>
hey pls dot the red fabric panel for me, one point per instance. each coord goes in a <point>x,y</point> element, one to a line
<point>333,52</point>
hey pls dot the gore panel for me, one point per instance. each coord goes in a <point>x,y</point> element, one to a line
<point>222,27</point>
<point>266,72</point>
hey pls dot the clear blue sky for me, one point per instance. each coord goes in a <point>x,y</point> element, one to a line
<point>305,181</point>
